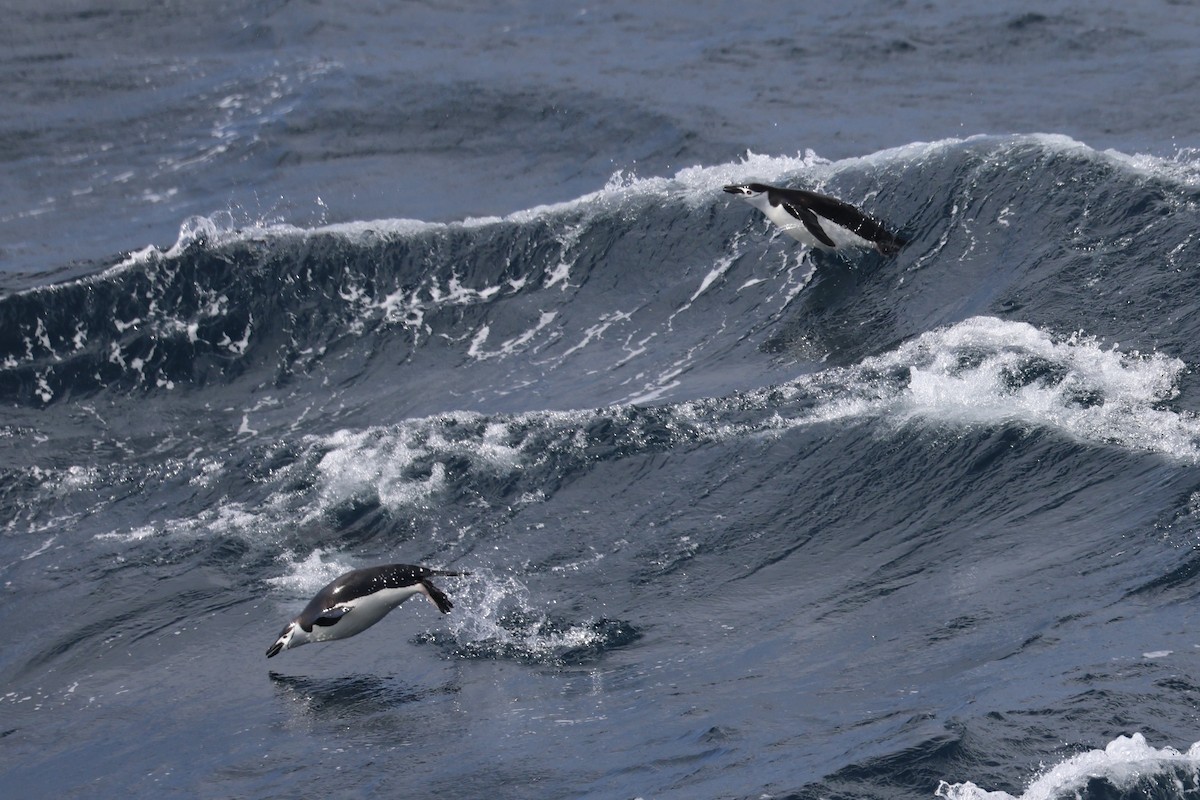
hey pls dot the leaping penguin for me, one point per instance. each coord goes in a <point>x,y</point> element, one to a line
<point>818,220</point>
<point>359,599</point>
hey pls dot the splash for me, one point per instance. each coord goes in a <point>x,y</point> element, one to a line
<point>501,620</point>
<point>1126,763</point>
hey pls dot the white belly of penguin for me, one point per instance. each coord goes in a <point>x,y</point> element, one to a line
<point>364,612</point>
<point>842,237</point>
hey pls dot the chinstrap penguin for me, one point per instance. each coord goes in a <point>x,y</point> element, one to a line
<point>818,220</point>
<point>359,599</point>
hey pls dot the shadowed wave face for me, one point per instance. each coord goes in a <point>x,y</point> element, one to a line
<point>560,297</point>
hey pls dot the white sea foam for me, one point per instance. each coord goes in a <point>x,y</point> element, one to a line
<point>375,462</point>
<point>402,466</point>
<point>987,371</point>
<point>232,519</point>
<point>307,576</point>
<point>1182,168</point>
<point>230,227</point>
<point>509,346</point>
<point>594,332</point>
<point>1126,761</point>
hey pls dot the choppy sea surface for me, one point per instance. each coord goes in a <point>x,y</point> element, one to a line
<point>288,289</point>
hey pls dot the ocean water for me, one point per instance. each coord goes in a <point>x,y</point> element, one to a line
<point>288,289</point>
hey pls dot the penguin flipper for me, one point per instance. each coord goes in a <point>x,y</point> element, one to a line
<point>331,615</point>
<point>811,222</point>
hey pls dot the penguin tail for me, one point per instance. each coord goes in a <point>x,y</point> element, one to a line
<point>437,597</point>
<point>891,246</point>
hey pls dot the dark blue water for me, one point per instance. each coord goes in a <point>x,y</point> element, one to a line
<point>290,289</point>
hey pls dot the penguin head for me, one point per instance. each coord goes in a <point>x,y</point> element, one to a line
<point>757,195</point>
<point>747,191</point>
<point>291,636</point>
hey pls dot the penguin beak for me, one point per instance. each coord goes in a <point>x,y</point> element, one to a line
<point>285,638</point>
<point>735,189</point>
